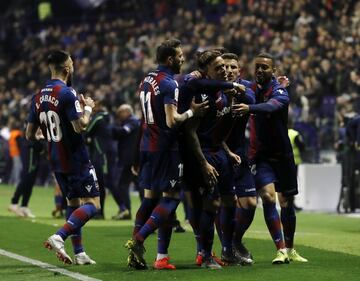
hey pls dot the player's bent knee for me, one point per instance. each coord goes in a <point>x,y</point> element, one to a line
<point>92,200</point>
<point>75,202</point>
<point>150,194</point>
<point>228,201</point>
<point>247,202</point>
<point>285,201</point>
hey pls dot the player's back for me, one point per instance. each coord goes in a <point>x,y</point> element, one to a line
<point>157,89</point>
<point>54,107</point>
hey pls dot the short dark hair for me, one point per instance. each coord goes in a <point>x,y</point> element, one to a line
<point>230,56</point>
<point>267,56</point>
<point>206,57</point>
<point>167,49</point>
<point>57,58</point>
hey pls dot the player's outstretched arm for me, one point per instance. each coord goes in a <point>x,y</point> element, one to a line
<point>173,118</point>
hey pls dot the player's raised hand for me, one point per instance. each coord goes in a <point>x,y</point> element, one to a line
<point>199,109</point>
<point>196,74</point>
<point>240,109</point>
<point>87,101</point>
<point>210,174</point>
<point>240,88</point>
<point>284,81</point>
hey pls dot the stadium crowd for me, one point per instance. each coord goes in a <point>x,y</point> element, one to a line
<point>315,42</point>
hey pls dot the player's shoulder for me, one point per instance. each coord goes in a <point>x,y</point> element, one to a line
<point>68,93</point>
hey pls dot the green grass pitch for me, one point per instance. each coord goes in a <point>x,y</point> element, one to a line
<point>330,242</point>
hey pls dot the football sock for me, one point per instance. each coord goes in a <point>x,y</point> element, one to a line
<point>218,224</point>
<point>273,223</point>
<point>207,232</point>
<point>288,220</point>
<point>164,235</point>
<point>244,218</point>
<point>227,227</point>
<point>76,238</point>
<point>144,212</point>
<point>77,219</point>
<point>194,215</point>
<point>158,216</point>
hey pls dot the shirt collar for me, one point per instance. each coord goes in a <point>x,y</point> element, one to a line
<point>166,69</point>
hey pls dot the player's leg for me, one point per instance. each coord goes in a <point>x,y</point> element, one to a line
<point>288,220</point>
<point>245,209</point>
<point>162,218</point>
<point>272,219</point>
<point>244,216</point>
<point>194,210</point>
<point>211,204</point>
<point>124,183</point>
<point>287,188</point>
<point>29,181</point>
<point>227,214</point>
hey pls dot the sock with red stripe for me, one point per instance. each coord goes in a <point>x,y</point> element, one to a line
<point>272,220</point>
<point>158,216</point>
<point>144,212</point>
<point>76,238</point>
<point>77,219</point>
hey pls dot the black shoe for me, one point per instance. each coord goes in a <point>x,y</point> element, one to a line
<point>297,209</point>
<point>229,258</point>
<point>243,255</point>
<point>98,216</point>
<point>179,229</point>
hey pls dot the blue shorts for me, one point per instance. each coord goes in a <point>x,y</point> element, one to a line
<point>243,180</point>
<point>220,161</point>
<point>160,171</point>
<point>281,172</point>
<point>80,185</point>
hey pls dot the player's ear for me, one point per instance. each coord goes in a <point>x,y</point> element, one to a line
<point>170,60</point>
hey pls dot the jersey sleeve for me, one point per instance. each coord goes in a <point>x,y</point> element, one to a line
<point>32,117</point>
<point>278,100</point>
<point>171,93</point>
<point>73,109</point>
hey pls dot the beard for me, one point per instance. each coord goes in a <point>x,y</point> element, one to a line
<point>69,80</point>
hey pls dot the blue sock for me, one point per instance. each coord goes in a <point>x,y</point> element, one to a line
<point>288,220</point>
<point>207,232</point>
<point>227,227</point>
<point>194,219</point>
<point>77,219</point>
<point>273,223</point>
<point>164,234</point>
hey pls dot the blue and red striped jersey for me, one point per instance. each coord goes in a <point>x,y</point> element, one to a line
<point>269,132</point>
<point>53,108</point>
<point>236,140</point>
<point>157,89</point>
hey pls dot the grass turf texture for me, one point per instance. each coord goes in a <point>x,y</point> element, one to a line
<point>330,242</point>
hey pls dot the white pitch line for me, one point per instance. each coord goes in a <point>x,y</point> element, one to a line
<point>48,266</point>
